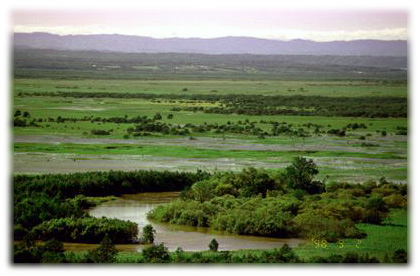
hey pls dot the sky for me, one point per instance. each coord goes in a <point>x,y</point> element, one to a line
<point>283,24</point>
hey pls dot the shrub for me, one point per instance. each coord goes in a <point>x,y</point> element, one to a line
<point>399,256</point>
<point>213,245</point>
<point>396,201</point>
<point>99,132</point>
<point>87,230</point>
<point>148,234</point>
<point>330,229</point>
<point>156,254</point>
<point>226,189</point>
<point>105,253</point>
<point>376,210</point>
<point>252,182</point>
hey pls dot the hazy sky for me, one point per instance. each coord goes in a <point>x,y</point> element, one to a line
<point>318,25</point>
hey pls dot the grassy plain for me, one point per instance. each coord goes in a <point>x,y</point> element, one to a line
<point>337,88</point>
<point>317,146</point>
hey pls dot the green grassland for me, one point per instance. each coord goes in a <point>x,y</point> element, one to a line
<point>380,239</point>
<point>188,152</point>
<point>45,107</point>
<point>328,88</point>
<point>390,147</point>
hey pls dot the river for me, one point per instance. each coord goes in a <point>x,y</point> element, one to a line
<point>134,207</point>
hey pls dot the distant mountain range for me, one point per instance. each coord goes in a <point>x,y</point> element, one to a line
<point>223,45</point>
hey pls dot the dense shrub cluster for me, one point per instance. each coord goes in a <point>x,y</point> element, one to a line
<point>104,183</point>
<point>87,230</point>
<point>23,119</point>
<point>289,204</point>
<point>48,206</point>
<point>100,132</point>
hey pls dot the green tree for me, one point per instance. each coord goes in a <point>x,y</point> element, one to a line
<point>213,245</point>
<point>203,190</point>
<point>148,234</point>
<point>253,182</point>
<point>300,175</point>
<point>105,253</point>
<point>156,254</point>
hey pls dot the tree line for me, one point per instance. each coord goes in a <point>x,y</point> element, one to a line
<point>253,104</point>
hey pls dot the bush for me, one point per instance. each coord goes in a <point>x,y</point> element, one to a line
<point>226,189</point>
<point>51,252</point>
<point>105,253</point>
<point>376,210</point>
<point>283,255</point>
<point>330,229</point>
<point>400,256</point>
<point>148,234</point>
<point>213,245</point>
<point>100,132</point>
<point>156,254</point>
<point>253,182</point>
<point>396,201</point>
<point>87,230</point>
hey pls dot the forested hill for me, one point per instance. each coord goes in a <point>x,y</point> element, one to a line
<point>222,45</point>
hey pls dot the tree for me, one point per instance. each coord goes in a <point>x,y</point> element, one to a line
<point>170,116</point>
<point>105,253</point>
<point>203,190</point>
<point>148,234</point>
<point>156,254</point>
<point>300,174</point>
<point>213,245</point>
<point>253,182</point>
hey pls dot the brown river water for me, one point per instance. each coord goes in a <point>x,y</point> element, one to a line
<point>135,207</point>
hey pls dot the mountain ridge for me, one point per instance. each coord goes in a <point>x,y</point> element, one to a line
<point>220,45</point>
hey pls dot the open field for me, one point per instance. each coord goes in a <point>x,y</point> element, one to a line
<point>376,155</point>
<point>356,88</point>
